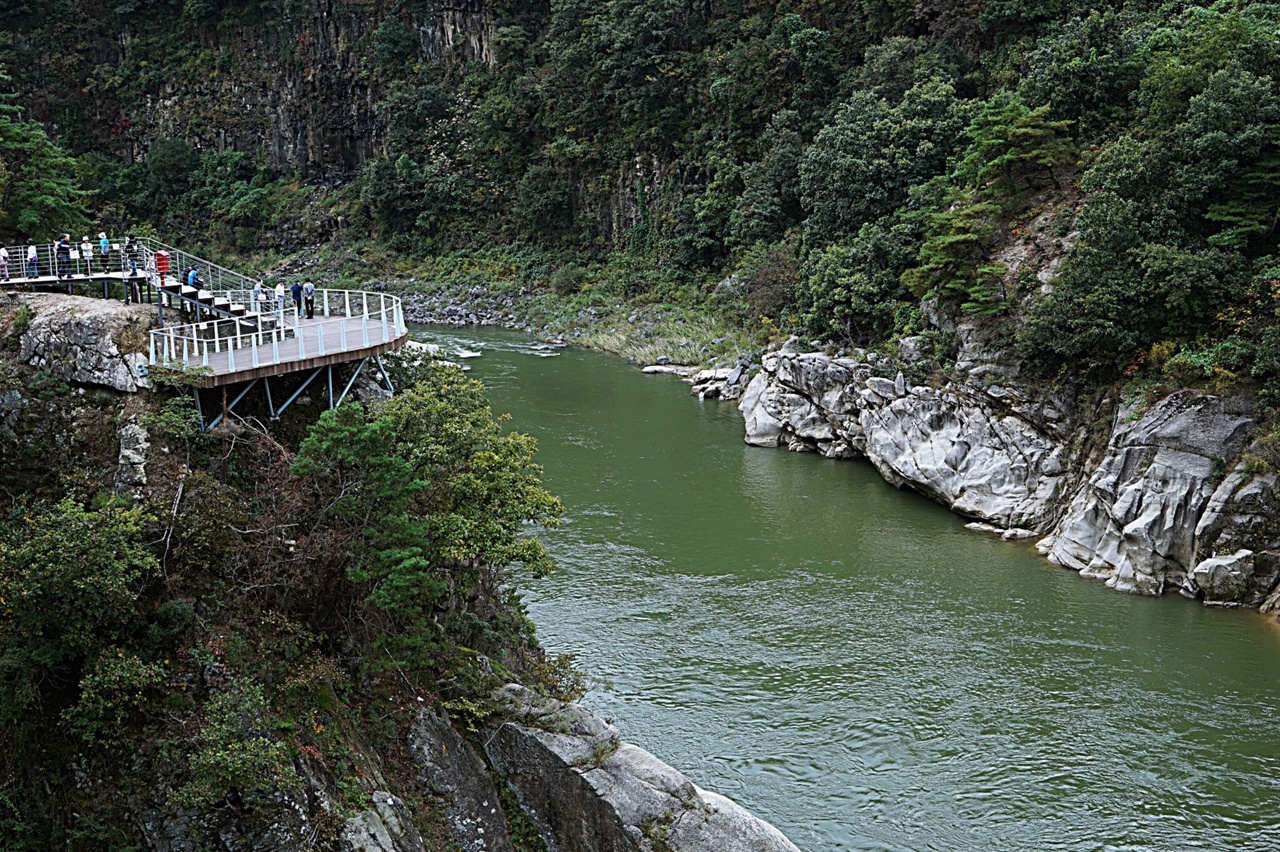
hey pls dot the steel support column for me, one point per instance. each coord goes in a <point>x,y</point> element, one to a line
<point>299,391</point>
<point>385,376</point>
<point>271,406</point>
<point>234,402</point>
<point>354,376</point>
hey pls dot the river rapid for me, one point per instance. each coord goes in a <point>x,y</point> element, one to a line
<point>848,662</point>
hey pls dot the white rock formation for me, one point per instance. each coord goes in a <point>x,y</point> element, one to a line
<point>1133,524</point>
<point>87,341</point>
<point>1169,506</point>
<point>987,453</point>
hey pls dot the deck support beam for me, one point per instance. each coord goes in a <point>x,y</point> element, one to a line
<point>271,406</point>
<point>354,376</point>
<point>382,371</point>
<point>227,409</point>
<point>299,391</point>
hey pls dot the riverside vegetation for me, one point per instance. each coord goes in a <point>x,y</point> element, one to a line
<point>184,645</point>
<point>818,167</point>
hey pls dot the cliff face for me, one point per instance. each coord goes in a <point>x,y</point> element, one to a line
<point>1172,495</point>
<point>296,84</point>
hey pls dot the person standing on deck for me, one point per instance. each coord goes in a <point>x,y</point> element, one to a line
<point>62,254</point>
<point>86,255</point>
<point>104,249</point>
<point>255,296</point>
<point>279,291</point>
<point>4,262</point>
<point>131,252</point>
<point>33,260</point>
<point>296,292</point>
<point>309,297</point>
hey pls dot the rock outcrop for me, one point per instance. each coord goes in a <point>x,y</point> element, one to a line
<point>1172,503</point>
<point>588,791</point>
<point>385,827</point>
<point>1133,523</point>
<point>450,770</point>
<point>986,451</point>
<point>85,341</point>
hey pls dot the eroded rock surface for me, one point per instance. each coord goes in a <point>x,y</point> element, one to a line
<point>1133,524</point>
<point>450,769</point>
<point>86,341</point>
<point>1170,503</point>
<point>988,452</point>
<point>588,791</point>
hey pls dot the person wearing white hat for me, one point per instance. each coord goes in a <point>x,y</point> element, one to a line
<point>86,256</point>
<point>104,249</point>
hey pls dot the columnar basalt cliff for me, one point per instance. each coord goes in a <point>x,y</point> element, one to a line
<point>1167,499</point>
<point>298,85</point>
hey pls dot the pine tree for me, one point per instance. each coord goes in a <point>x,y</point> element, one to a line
<point>39,191</point>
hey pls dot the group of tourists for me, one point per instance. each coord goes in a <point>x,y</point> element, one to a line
<point>303,295</point>
<point>61,257</point>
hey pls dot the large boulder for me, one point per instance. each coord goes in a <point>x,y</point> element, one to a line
<point>588,791</point>
<point>86,341</point>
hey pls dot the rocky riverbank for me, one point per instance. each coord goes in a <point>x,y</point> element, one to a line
<point>1148,497</point>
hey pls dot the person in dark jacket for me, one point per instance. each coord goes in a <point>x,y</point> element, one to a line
<point>62,254</point>
<point>296,292</point>
<point>131,252</point>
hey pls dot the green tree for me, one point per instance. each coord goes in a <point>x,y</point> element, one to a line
<point>863,165</point>
<point>39,192</point>
<point>1012,144</point>
<point>69,581</point>
<point>437,495</point>
<point>851,290</point>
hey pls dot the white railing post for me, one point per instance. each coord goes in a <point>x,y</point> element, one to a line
<point>302,346</point>
<point>153,347</point>
<point>385,337</point>
<point>254,350</point>
<point>364,329</point>
<point>324,300</point>
<point>346,298</point>
<point>275,351</point>
<point>342,334</point>
<point>320,338</point>
<point>231,359</point>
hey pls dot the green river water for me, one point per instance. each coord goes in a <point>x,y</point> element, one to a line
<point>851,664</point>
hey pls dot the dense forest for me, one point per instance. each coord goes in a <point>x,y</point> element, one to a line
<point>824,165</point>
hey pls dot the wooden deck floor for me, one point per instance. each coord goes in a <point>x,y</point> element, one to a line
<point>308,356</point>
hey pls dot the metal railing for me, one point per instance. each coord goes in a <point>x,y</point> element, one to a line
<point>117,262</point>
<point>268,331</point>
<point>345,321</point>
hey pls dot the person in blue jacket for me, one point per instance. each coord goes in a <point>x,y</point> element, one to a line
<point>104,250</point>
<point>193,277</point>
